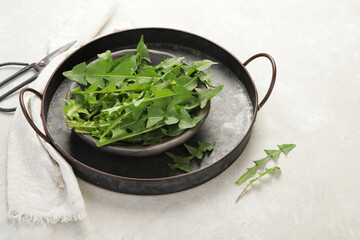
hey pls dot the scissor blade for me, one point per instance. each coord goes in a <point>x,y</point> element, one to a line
<point>45,61</point>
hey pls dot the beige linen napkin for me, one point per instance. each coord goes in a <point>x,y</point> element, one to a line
<point>41,185</point>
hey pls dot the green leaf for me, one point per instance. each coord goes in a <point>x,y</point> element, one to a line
<point>172,116</point>
<point>77,74</point>
<point>205,94</point>
<point>104,142</point>
<point>118,132</point>
<point>170,63</point>
<point>142,54</point>
<point>173,130</point>
<point>260,162</point>
<point>113,124</point>
<point>137,111</point>
<point>135,126</point>
<point>121,72</point>
<point>155,115</point>
<point>189,70</point>
<point>187,82</point>
<point>92,88</point>
<point>163,84</point>
<point>153,137</point>
<point>274,154</point>
<point>149,73</point>
<point>247,175</point>
<point>96,71</point>
<point>136,86</point>
<point>111,87</point>
<point>252,171</point>
<point>128,57</point>
<point>182,163</point>
<point>73,108</point>
<point>172,73</point>
<point>186,121</point>
<point>194,152</point>
<point>190,103</point>
<point>203,64</point>
<point>286,148</point>
<point>198,152</point>
<point>160,93</point>
<point>182,94</point>
<point>107,57</point>
<point>206,146</point>
<point>206,79</point>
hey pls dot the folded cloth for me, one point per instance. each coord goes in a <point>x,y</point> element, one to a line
<point>41,185</point>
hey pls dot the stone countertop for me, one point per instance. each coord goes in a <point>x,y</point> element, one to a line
<point>315,104</point>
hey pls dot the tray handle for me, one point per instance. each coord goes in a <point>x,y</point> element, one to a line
<point>26,114</point>
<point>273,65</point>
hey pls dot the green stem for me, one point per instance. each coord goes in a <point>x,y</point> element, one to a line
<point>145,100</point>
<point>82,131</point>
<point>117,75</point>
<point>241,194</point>
<point>114,123</point>
<point>72,111</point>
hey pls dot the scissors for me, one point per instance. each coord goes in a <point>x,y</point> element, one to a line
<point>38,67</point>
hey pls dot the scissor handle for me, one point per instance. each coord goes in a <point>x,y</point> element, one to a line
<point>12,77</point>
<point>13,63</point>
<point>18,73</point>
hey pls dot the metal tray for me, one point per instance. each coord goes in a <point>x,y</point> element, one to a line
<point>229,122</point>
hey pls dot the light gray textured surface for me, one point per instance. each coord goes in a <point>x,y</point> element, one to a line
<point>314,104</point>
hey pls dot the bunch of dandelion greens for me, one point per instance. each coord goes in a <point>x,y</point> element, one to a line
<point>130,100</point>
